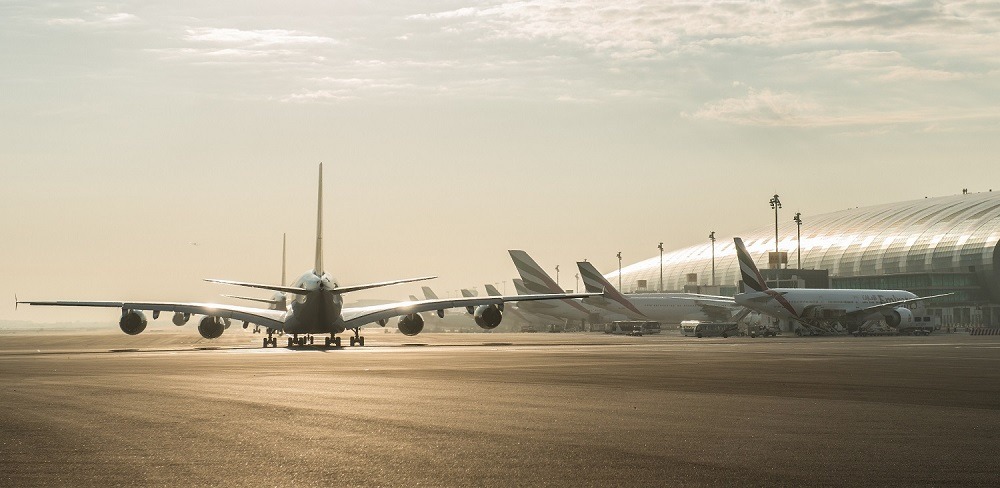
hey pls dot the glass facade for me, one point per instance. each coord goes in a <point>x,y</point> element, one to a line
<point>937,245</point>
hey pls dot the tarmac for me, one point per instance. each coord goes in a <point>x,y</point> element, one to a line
<point>167,408</point>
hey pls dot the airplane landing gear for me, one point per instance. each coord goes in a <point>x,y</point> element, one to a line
<point>295,340</point>
<point>332,340</point>
<point>357,339</point>
<point>270,339</point>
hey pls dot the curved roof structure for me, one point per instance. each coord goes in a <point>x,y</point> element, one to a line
<point>954,234</point>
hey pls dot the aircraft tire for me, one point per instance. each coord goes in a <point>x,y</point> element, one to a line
<point>361,341</point>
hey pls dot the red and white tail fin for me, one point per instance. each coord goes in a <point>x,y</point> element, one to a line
<point>752,278</point>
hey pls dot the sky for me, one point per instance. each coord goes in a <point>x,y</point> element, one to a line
<point>145,146</point>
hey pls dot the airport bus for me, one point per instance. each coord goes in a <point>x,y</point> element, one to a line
<point>715,329</point>
<point>697,328</point>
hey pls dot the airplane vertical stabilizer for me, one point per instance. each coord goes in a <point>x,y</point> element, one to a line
<point>535,278</point>
<point>748,270</point>
<point>318,267</point>
<point>428,293</point>
<point>596,283</point>
<point>492,291</point>
<point>520,288</point>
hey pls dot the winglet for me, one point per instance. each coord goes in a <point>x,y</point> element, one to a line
<point>318,267</point>
<point>748,270</point>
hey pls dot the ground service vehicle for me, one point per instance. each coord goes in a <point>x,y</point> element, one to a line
<point>715,329</point>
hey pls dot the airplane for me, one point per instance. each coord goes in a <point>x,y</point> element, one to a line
<point>666,308</point>
<point>536,280</point>
<point>315,307</point>
<point>821,308</point>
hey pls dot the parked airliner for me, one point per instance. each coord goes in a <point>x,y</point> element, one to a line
<point>666,308</point>
<point>821,308</point>
<point>316,306</point>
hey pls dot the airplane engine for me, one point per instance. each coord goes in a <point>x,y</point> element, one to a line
<point>411,325</point>
<point>488,316</point>
<point>211,328</point>
<point>132,322</point>
<point>181,318</point>
<point>900,316</point>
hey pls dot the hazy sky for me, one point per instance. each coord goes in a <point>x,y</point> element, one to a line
<point>147,145</point>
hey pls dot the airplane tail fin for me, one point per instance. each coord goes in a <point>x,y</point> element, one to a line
<point>748,270</point>
<point>492,291</point>
<point>520,288</point>
<point>596,283</point>
<point>414,299</point>
<point>428,293</point>
<point>318,267</point>
<point>536,280</point>
<point>467,293</point>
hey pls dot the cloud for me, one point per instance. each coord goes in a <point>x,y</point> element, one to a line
<point>762,107</point>
<point>256,38</point>
<point>97,18</point>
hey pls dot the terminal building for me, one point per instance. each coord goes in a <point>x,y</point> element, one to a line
<point>927,246</point>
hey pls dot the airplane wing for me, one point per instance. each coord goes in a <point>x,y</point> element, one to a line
<point>874,308</point>
<point>356,317</point>
<point>274,319</point>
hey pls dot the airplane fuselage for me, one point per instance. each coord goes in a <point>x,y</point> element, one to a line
<point>798,303</point>
<point>319,310</point>
<point>658,307</point>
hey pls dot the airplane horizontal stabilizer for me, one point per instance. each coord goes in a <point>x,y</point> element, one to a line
<point>286,289</point>
<point>347,289</point>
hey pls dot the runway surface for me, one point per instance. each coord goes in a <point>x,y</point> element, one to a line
<point>499,410</point>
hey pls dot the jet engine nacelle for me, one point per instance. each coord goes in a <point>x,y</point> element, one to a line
<point>901,316</point>
<point>488,316</point>
<point>211,328</point>
<point>411,325</point>
<point>181,318</point>
<point>132,322</point>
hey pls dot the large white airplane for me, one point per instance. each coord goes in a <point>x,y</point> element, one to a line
<point>666,308</point>
<point>821,308</point>
<point>536,280</point>
<point>316,306</point>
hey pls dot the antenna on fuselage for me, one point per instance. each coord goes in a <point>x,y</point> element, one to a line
<point>318,267</point>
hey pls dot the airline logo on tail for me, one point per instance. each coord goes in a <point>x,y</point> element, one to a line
<point>595,282</point>
<point>753,280</point>
<point>751,275</point>
<point>536,280</point>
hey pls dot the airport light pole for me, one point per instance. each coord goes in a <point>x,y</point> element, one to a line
<point>557,276</point>
<point>775,204</point>
<point>660,247</point>
<point>711,237</point>
<point>577,289</point>
<point>798,236</point>
<point>620,272</point>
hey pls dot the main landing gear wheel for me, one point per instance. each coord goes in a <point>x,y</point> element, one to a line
<point>357,339</point>
<point>289,342</point>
